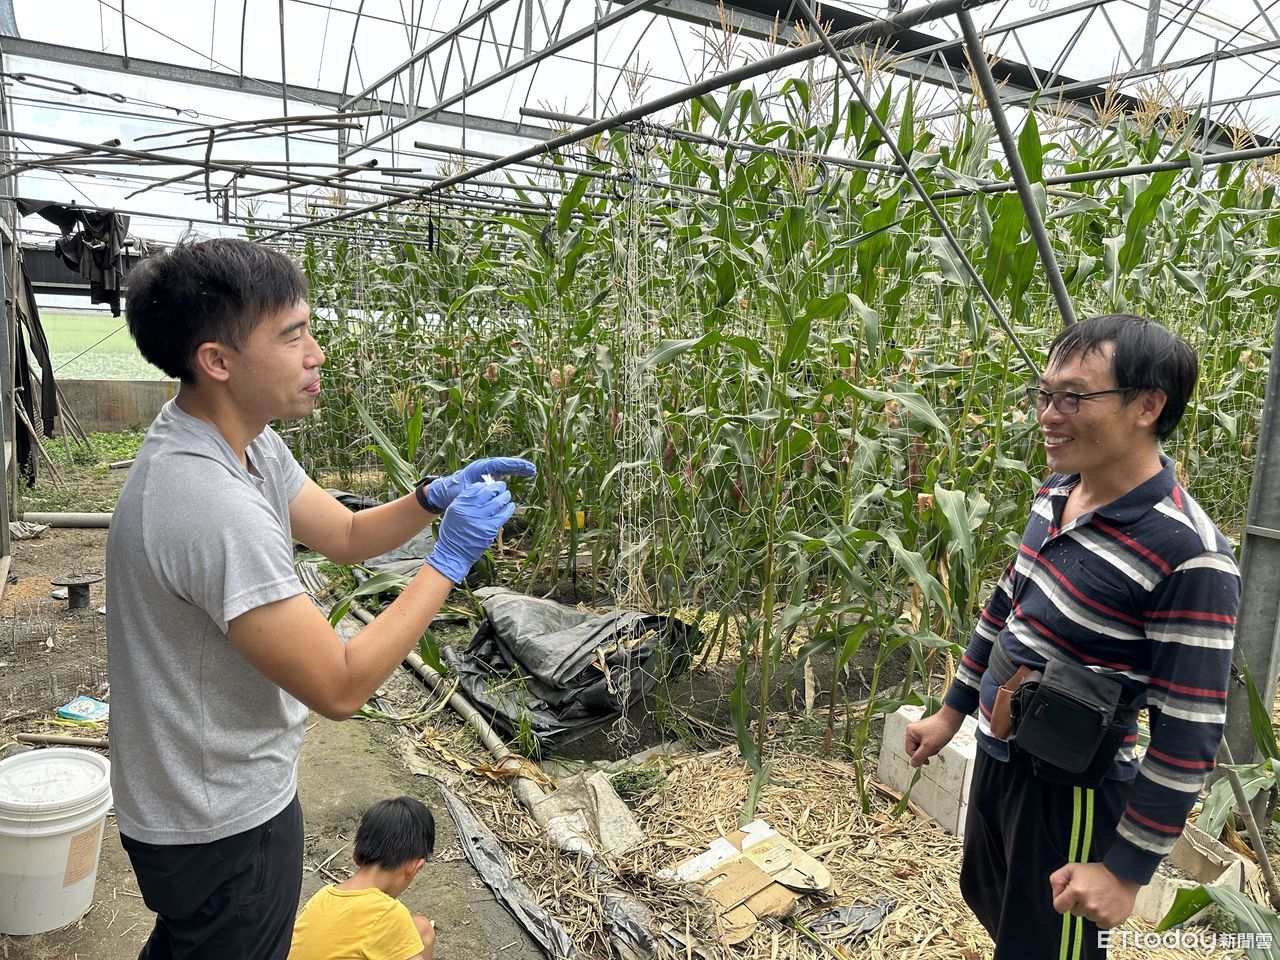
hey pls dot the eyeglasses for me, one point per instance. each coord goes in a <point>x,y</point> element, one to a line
<point>1065,401</point>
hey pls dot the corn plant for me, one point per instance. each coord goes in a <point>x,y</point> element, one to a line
<point>759,381</point>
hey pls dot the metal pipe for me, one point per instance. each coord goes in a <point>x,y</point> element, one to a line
<point>497,205</point>
<point>675,133</point>
<point>241,168</point>
<point>1112,173</point>
<point>527,790</point>
<point>284,102</point>
<point>1208,104</point>
<point>1149,38</point>
<point>870,109</point>
<point>73,520</point>
<point>384,232</point>
<point>61,740</point>
<point>1258,619</point>
<point>978,57</point>
<point>324,121</point>
<point>559,170</point>
<point>874,30</point>
<point>536,188</point>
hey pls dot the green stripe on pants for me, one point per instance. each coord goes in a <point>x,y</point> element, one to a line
<point>1071,937</point>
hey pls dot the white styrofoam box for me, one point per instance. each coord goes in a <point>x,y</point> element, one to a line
<point>943,788</point>
<point>1156,898</point>
<point>1199,859</point>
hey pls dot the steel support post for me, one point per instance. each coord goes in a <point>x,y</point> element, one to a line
<point>9,281</point>
<point>1149,40</point>
<point>978,57</point>
<point>1257,645</point>
<point>816,26</point>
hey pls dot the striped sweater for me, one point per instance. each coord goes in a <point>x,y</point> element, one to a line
<point>1144,590</point>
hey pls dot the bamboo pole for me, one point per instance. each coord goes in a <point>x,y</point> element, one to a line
<point>1251,825</point>
<point>35,439</point>
<point>62,740</point>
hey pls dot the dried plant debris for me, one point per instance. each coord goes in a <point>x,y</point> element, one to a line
<point>874,859</point>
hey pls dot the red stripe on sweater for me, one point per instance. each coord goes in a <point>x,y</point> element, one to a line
<point>1152,824</point>
<point>1191,615</point>
<point>1133,545</point>
<point>1075,592</point>
<point>1207,693</point>
<point>1056,640</point>
<point>1179,761</point>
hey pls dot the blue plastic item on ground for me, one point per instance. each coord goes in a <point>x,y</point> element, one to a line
<point>84,708</point>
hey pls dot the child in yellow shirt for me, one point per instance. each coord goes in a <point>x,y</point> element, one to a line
<point>360,918</point>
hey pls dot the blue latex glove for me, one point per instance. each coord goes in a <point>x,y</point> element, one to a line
<point>469,526</point>
<point>443,490</point>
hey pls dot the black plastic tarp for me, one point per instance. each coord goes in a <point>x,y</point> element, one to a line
<point>559,672</point>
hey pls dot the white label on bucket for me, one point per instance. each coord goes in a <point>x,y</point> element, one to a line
<point>82,855</point>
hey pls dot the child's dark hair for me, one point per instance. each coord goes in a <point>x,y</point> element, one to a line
<point>393,832</point>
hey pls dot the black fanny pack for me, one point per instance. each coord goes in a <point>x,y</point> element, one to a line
<point>1071,723</point>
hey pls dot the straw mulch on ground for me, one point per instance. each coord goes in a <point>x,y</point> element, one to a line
<point>810,800</point>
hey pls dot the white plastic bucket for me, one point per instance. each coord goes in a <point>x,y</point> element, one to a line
<point>53,806</point>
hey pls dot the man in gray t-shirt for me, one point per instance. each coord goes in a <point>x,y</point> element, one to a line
<point>215,653</point>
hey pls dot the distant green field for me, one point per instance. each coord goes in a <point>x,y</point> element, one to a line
<point>94,347</point>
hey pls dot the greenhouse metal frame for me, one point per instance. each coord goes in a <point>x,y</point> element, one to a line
<point>419,131</point>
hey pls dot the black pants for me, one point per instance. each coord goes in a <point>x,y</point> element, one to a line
<point>1020,829</point>
<point>235,897</point>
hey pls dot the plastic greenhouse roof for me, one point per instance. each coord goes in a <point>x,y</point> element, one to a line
<point>154,74</point>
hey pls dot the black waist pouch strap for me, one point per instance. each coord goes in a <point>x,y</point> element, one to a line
<point>1071,723</point>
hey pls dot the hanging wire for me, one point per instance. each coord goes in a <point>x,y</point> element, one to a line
<point>91,347</point>
<point>635,405</point>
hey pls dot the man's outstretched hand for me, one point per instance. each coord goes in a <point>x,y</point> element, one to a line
<point>444,490</point>
<point>469,527</point>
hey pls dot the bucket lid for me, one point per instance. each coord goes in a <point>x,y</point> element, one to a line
<point>53,780</point>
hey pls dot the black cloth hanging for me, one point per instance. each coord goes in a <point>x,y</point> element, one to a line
<point>29,316</point>
<point>92,244</point>
<point>31,331</point>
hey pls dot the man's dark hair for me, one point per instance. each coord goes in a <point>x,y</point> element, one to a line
<point>1147,357</point>
<point>393,832</point>
<point>209,290</point>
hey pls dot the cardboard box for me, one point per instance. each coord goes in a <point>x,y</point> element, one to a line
<point>753,873</point>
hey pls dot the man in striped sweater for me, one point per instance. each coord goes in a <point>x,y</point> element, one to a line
<point>1119,572</point>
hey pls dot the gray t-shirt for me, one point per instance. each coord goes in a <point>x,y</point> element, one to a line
<point>203,746</point>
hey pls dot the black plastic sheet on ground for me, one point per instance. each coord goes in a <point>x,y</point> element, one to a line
<point>537,666</point>
<point>483,852</point>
